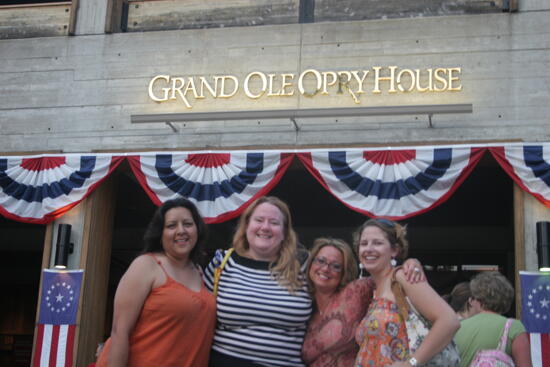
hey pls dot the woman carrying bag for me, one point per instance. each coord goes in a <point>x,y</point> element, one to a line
<point>382,335</point>
<point>492,296</point>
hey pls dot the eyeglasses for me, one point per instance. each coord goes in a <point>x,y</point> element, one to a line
<point>334,267</point>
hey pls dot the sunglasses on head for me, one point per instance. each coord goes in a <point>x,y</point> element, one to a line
<point>385,222</point>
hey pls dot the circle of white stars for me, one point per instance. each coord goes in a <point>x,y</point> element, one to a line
<point>59,297</point>
<point>538,302</point>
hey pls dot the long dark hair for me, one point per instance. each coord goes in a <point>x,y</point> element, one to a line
<point>153,234</point>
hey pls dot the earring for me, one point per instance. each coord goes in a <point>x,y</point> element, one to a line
<point>361,268</point>
<point>393,262</point>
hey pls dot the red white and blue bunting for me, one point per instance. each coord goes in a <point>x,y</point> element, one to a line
<point>528,166</point>
<point>394,184</point>
<point>220,184</point>
<point>39,189</point>
<point>391,183</point>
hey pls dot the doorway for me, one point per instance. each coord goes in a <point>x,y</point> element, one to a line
<point>474,227</point>
<point>20,266</point>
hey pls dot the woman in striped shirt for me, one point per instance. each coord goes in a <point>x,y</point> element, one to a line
<point>262,302</point>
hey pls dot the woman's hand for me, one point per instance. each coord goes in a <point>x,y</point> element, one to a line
<point>413,271</point>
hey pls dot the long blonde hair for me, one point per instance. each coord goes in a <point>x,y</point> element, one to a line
<point>286,269</point>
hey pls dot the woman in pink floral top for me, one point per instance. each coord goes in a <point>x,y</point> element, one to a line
<point>341,302</point>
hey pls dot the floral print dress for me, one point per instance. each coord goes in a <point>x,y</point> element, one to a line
<point>381,335</point>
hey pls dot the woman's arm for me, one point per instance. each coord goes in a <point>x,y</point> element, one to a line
<point>444,320</point>
<point>336,332</point>
<point>134,287</point>
<point>521,351</point>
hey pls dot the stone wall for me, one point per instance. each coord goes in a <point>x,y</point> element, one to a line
<point>78,93</point>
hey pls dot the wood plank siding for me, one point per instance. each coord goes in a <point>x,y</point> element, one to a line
<point>38,20</point>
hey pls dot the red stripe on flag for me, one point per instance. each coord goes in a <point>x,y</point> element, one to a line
<point>55,342</point>
<point>208,160</point>
<point>389,157</point>
<point>38,345</point>
<point>42,163</point>
<point>545,349</point>
<point>70,345</point>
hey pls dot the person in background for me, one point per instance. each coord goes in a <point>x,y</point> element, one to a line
<point>262,300</point>
<point>460,300</point>
<point>340,302</point>
<point>492,296</point>
<point>163,313</point>
<point>382,334</point>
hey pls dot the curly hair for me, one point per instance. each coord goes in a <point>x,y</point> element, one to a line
<point>349,270</point>
<point>394,232</point>
<point>493,291</point>
<point>153,234</point>
<point>286,269</point>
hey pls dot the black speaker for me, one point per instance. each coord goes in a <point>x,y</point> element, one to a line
<point>543,245</point>
<point>63,247</point>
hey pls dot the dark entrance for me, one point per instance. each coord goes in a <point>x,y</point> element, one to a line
<point>21,247</point>
<point>474,227</point>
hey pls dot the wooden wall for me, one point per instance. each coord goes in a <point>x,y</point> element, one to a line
<point>40,20</point>
<point>336,10</point>
<point>95,259</point>
<point>92,17</point>
<point>149,15</point>
<point>144,15</point>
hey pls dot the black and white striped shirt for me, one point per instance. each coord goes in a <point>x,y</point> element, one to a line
<point>258,319</point>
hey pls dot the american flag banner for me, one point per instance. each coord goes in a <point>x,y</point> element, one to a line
<point>529,166</point>
<point>535,314</point>
<point>57,321</point>
<point>38,189</point>
<point>392,183</point>
<point>220,184</point>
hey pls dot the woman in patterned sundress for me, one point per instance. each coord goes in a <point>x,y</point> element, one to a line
<point>382,335</point>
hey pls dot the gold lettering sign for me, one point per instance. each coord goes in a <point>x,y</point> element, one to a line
<point>309,83</point>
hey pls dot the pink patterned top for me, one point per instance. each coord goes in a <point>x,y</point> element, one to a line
<point>329,341</point>
<point>382,336</point>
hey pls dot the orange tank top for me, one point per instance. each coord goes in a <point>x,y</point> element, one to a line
<point>175,328</point>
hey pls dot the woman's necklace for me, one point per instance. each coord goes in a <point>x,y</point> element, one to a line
<point>323,306</point>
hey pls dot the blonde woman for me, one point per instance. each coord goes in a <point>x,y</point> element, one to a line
<point>262,302</point>
<point>382,335</point>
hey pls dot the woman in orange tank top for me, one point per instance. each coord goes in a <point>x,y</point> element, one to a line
<point>163,314</point>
